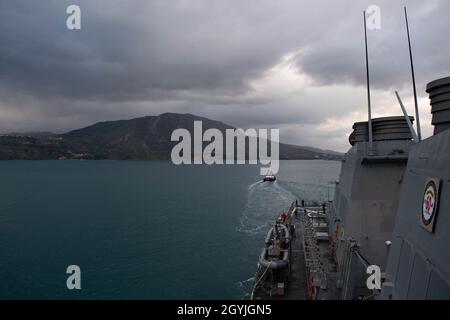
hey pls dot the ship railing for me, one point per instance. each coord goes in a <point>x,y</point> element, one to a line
<point>314,269</point>
<point>351,265</point>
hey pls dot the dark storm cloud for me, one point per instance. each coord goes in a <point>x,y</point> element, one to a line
<point>134,50</point>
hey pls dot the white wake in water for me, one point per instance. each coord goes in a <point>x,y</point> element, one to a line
<point>265,200</point>
<point>245,287</point>
<point>254,185</point>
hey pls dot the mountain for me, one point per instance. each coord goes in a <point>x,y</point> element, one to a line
<point>326,151</point>
<point>42,134</point>
<point>142,138</point>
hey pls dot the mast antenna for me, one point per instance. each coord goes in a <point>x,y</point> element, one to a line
<point>368,89</point>
<point>419,134</point>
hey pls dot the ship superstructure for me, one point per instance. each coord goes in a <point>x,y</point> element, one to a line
<point>418,266</point>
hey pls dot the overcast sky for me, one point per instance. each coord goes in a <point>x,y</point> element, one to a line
<point>289,64</point>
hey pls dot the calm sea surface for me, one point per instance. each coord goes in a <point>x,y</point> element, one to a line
<point>142,230</point>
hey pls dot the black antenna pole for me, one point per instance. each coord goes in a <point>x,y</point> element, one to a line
<point>419,134</point>
<point>368,87</point>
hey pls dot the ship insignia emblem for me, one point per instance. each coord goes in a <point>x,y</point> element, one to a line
<point>430,203</point>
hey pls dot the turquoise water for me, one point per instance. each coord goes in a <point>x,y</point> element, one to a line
<point>141,230</point>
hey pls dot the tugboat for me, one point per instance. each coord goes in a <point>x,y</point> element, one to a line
<point>269,178</point>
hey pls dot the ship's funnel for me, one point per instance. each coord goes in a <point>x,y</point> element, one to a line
<point>386,128</point>
<point>439,91</point>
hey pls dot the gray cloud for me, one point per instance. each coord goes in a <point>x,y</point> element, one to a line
<point>134,58</point>
<point>137,50</point>
<point>338,55</point>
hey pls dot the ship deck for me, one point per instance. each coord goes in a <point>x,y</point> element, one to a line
<point>296,288</point>
<point>297,284</point>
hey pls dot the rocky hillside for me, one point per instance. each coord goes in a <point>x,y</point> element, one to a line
<point>142,138</point>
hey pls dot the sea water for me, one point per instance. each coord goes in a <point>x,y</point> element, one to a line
<point>142,229</point>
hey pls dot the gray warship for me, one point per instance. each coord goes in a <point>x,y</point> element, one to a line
<point>385,234</point>
<point>390,212</point>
